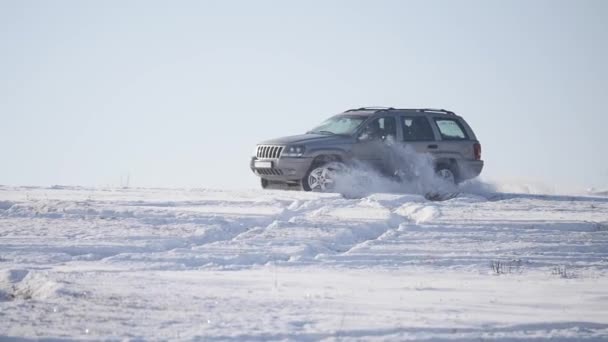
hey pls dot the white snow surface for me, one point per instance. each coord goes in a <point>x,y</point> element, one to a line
<point>194,264</point>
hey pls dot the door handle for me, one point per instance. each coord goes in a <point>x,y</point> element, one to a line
<point>433,146</point>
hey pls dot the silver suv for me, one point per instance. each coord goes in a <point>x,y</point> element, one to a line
<point>360,136</point>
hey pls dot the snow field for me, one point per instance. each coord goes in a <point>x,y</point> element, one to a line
<point>271,265</point>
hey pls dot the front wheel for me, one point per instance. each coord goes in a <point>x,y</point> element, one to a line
<point>322,178</point>
<point>264,183</point>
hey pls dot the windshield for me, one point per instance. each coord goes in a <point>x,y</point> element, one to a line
<point>341,124</point>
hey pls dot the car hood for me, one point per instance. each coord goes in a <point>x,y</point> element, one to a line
<point>308,138</point>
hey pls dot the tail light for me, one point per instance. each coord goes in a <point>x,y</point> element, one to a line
<point>477,151</point>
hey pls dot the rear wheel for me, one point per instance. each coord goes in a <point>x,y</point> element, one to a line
<point>447,187</point>
<point>447,173</point>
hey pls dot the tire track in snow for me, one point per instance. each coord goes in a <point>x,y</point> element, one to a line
<point>403,212</point>
<point>126,231</point>
<point>232,249</point>
<point>303,231</point>
<point>305,228</point>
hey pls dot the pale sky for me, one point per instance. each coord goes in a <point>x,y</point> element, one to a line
<point>177,93</point>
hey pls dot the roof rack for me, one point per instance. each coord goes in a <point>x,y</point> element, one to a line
<point>434,110</point>
<point>370,108</point>
<point>420,110</point>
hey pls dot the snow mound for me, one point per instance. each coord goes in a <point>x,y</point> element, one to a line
<point>419,213</point>
<point>5,205</point>
<point>12,276</point>
<point>23,284</point>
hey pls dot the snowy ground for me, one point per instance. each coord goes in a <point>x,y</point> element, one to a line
<point>78,263</point>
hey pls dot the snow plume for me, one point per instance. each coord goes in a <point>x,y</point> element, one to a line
<point>410,172</point>
<point>597,192</point>
<point>491,188</point>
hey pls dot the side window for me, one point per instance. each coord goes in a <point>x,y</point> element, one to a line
<point>380,128</point>
<point>450,129</point>
<point>416,128</point>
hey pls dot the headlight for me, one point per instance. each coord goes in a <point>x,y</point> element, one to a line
<point>293,151</point>
<point>255,151</point>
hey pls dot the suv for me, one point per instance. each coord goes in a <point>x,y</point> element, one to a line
<point>361,135</point>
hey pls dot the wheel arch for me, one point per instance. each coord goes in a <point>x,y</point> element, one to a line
<point>325,158</point>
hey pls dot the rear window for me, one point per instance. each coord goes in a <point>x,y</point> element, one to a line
<point>451,129</point>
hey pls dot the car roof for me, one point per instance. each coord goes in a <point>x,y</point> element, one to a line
<point>367,111</point>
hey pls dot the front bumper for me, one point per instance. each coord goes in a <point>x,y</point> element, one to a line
<point>283,169</point>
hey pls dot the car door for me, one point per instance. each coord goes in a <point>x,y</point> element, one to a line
<point>417,133</point>
<point>416,146</point>
<point>372,143</point>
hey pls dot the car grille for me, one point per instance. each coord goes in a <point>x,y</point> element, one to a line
<point>269,172</point>
<point>269,151</point>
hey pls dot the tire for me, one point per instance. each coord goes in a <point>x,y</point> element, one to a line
<point>321,177</point>
<point>447,173</point>
<point>264,183</point>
